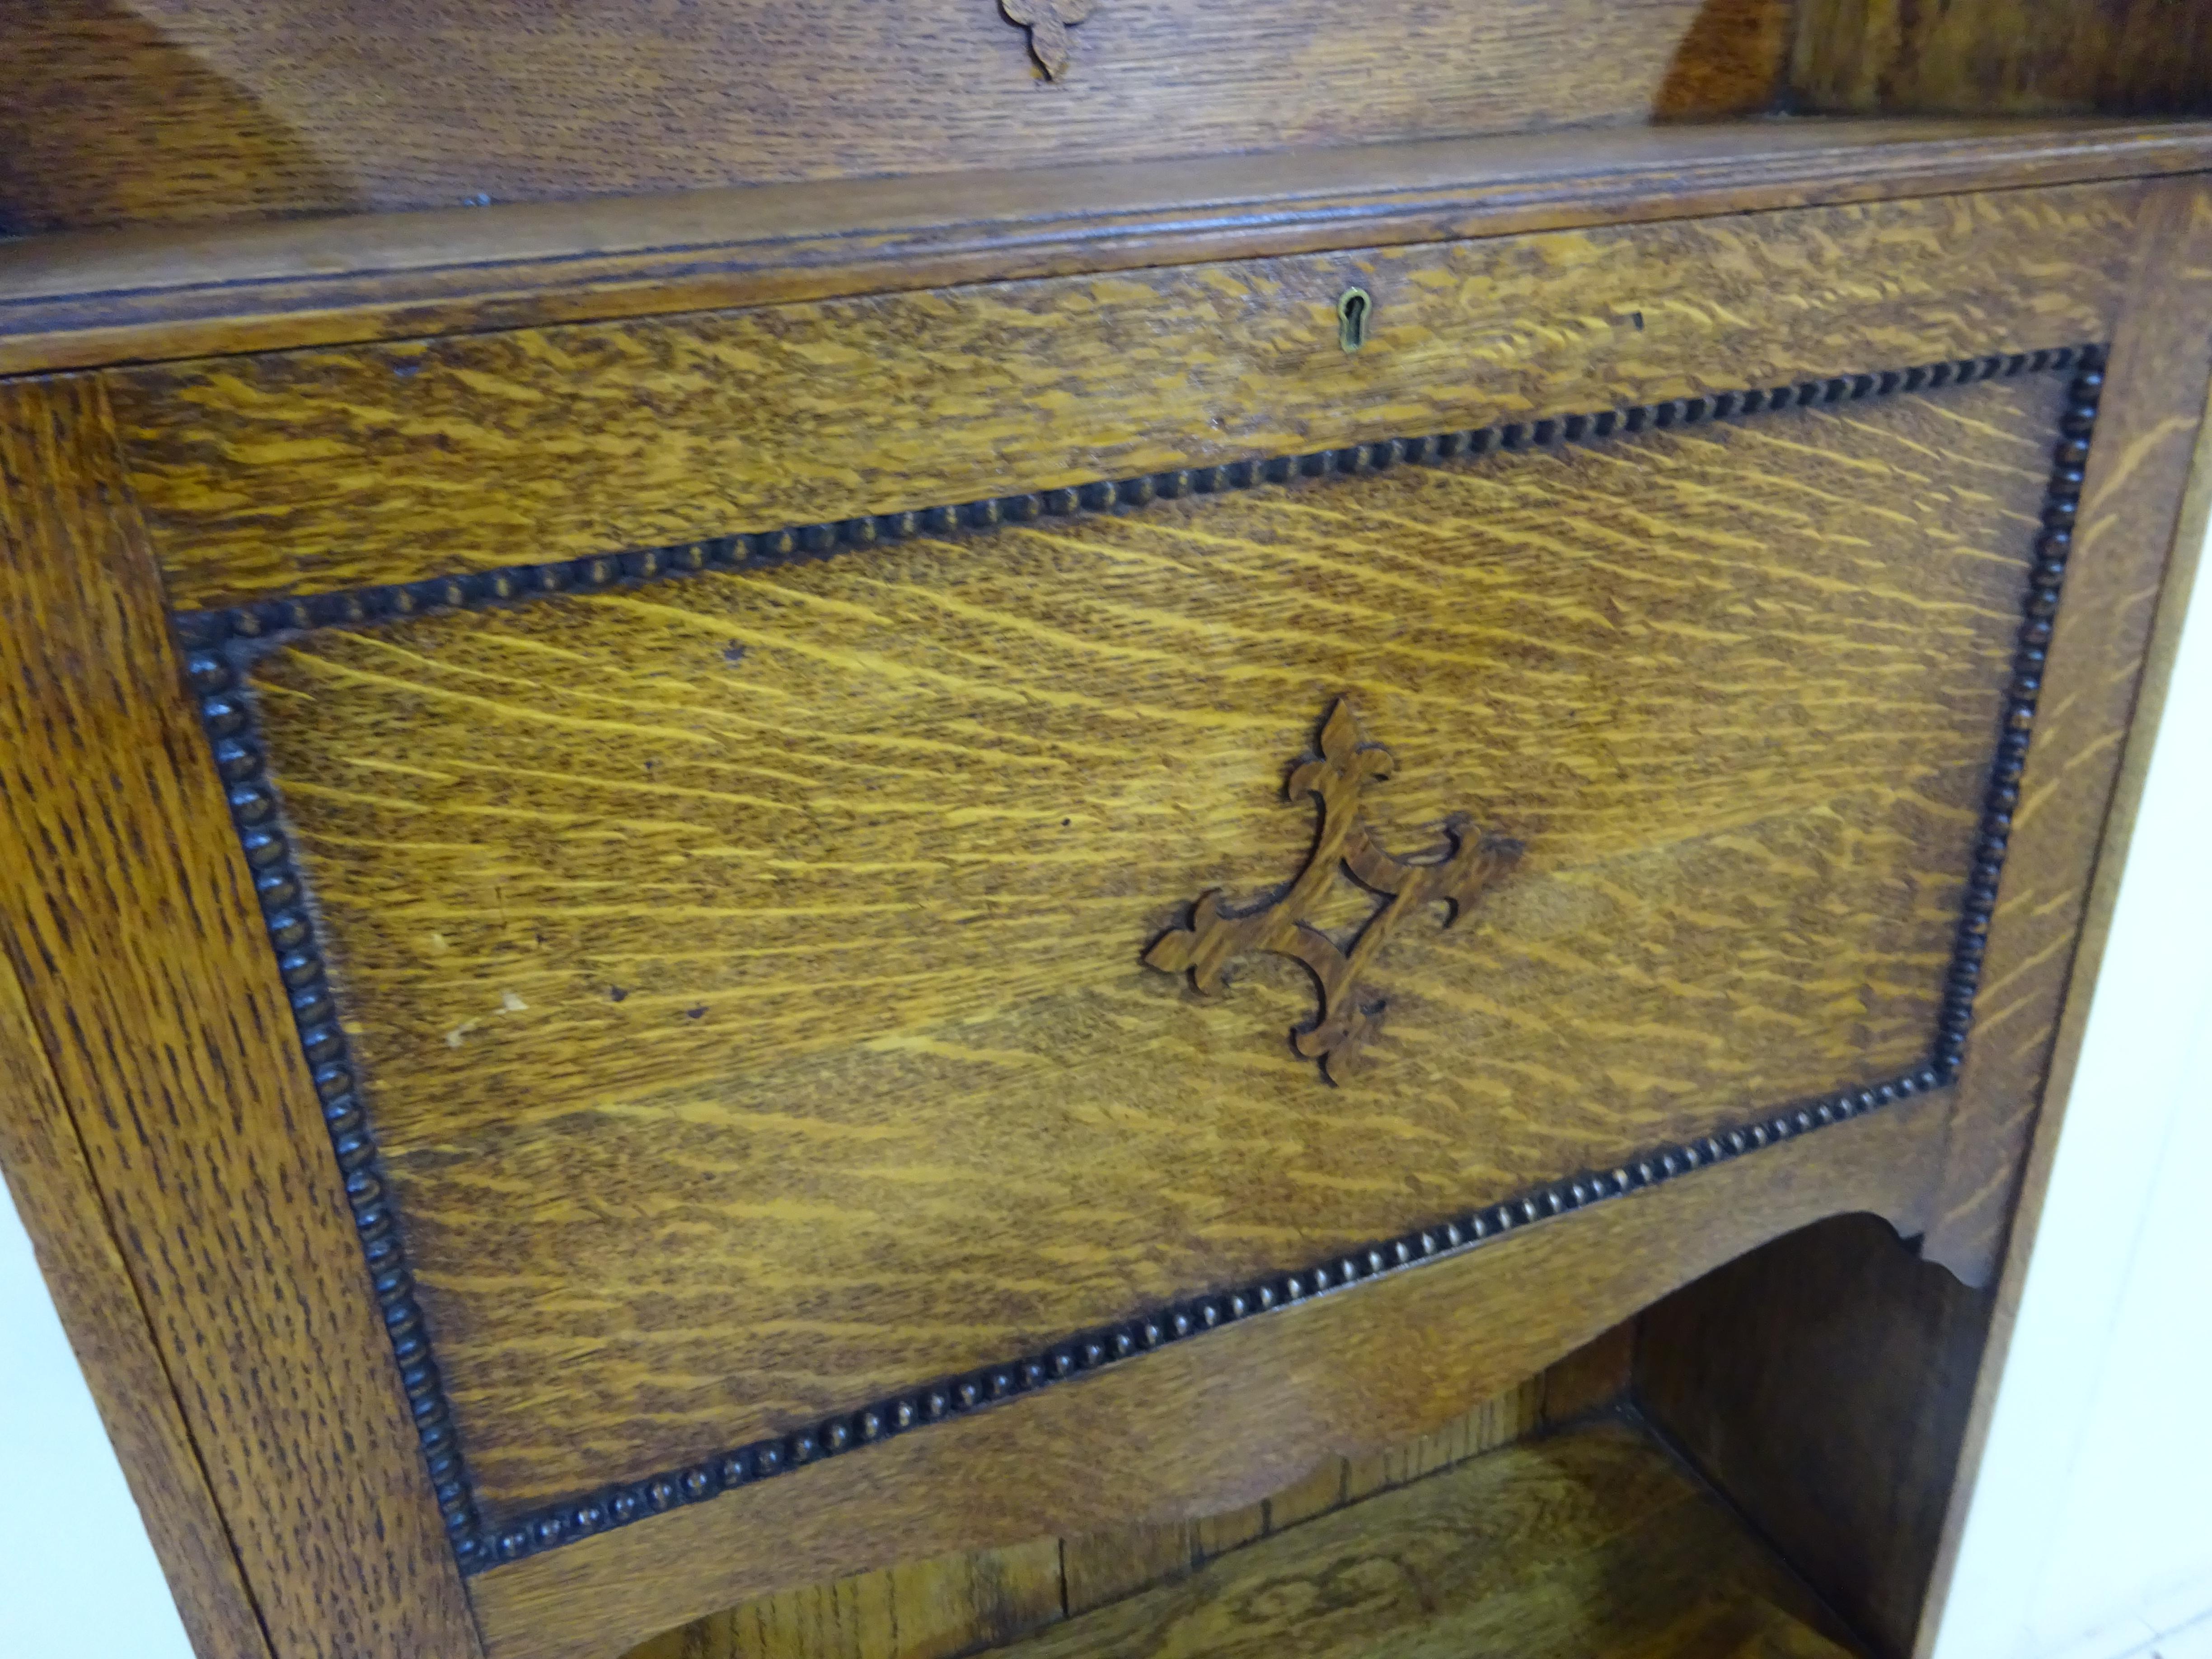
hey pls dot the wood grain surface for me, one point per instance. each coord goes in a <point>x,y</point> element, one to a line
<point>2184,567</point>
<point>2025,57</point>
<point>956,1604</point>
<point>1099,1568</point>
<point>1593,1544</point>
<point>164,111</point>
<point>1823,1382</point>
<point>127,914</point>
<point>1250,1411</point>
<point>92,298</point>
<point>934,1609</point>
<point>2153,407</point>
<point>746,970</point>
<point>314,471</point>
<point>108,1329</point>
<point>1451,879</point>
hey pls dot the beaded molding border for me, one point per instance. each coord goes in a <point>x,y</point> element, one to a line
<point>220,644</point>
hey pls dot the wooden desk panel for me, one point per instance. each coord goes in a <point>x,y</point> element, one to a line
<point>272,478</point>
<point>1014,648</point>
<point>745,972</point>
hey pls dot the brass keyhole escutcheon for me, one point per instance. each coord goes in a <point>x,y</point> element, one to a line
<point>1354,308</point>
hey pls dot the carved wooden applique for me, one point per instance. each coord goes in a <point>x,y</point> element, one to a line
<point>1345,1023</point>
<point>1049,22</point>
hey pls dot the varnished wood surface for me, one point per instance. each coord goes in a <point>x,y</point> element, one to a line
<point>1823,1383</point>
<point>956,1604</point>
<point>1591,1544</point>
<point>1209,949</point>
<point>69,301</point>
<point>311,470</point>
<point>747,970</point>
<point>1099,1568</point>
<point>2184,569</point>
<point>2026,56</point>
<point>934,1609</point>
<point>53,1191</point>
<point>167,111</point>
<point>127,914</point>
<point>2153,407</point>
<point>1594,1543</point>
<point>1250,1409</point>
<point>295,1535</point>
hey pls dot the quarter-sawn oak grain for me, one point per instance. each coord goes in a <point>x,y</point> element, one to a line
<point>221,111</point>
<point>1098,1568</point>
<point>1344,848</point>
<point>127,913</point>
<point>934,1609</point>
<point>1592,1545</point>
<point>170,110</point>
<point>2021,57</point>
<point>311,470</point>
<point>93,298</point>
<point>956,1604</point>
<point>1822,1383</point>
<point>1248,1410</point>
<point>2153,380</point>
<point>746,970</point>
<point>53,1190</point>
<point>2153,406</point>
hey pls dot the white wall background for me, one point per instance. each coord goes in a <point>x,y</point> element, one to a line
<point>78,1576</point>
<point>2090,1532</point>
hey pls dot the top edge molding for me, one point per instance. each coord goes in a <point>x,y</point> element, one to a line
<point>93,299</point>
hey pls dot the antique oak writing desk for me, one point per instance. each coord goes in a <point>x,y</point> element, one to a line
<point>710,887</point>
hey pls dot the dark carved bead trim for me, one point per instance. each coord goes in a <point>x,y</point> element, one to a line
<point>355,607</point>
<point>218,644</point>
<point>227,715</point>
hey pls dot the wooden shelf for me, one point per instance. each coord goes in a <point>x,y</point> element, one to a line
<point>1595,1544</point>
<point>1592,1543</point>
<point>82,299</point>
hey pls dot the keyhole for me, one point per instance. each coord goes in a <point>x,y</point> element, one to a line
<point>1353,308</point>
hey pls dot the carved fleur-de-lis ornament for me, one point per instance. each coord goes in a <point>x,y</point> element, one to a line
<point>1335,780</point>
<point>1049,22</point>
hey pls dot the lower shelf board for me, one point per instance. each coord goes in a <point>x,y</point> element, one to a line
<point>1592,1544</point>
<point>1546,1520</point>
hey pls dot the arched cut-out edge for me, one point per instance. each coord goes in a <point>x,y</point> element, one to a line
<point>1195,1429</point>
<point>219,647</point>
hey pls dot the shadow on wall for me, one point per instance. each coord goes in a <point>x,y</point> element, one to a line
<point>213,152</point>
